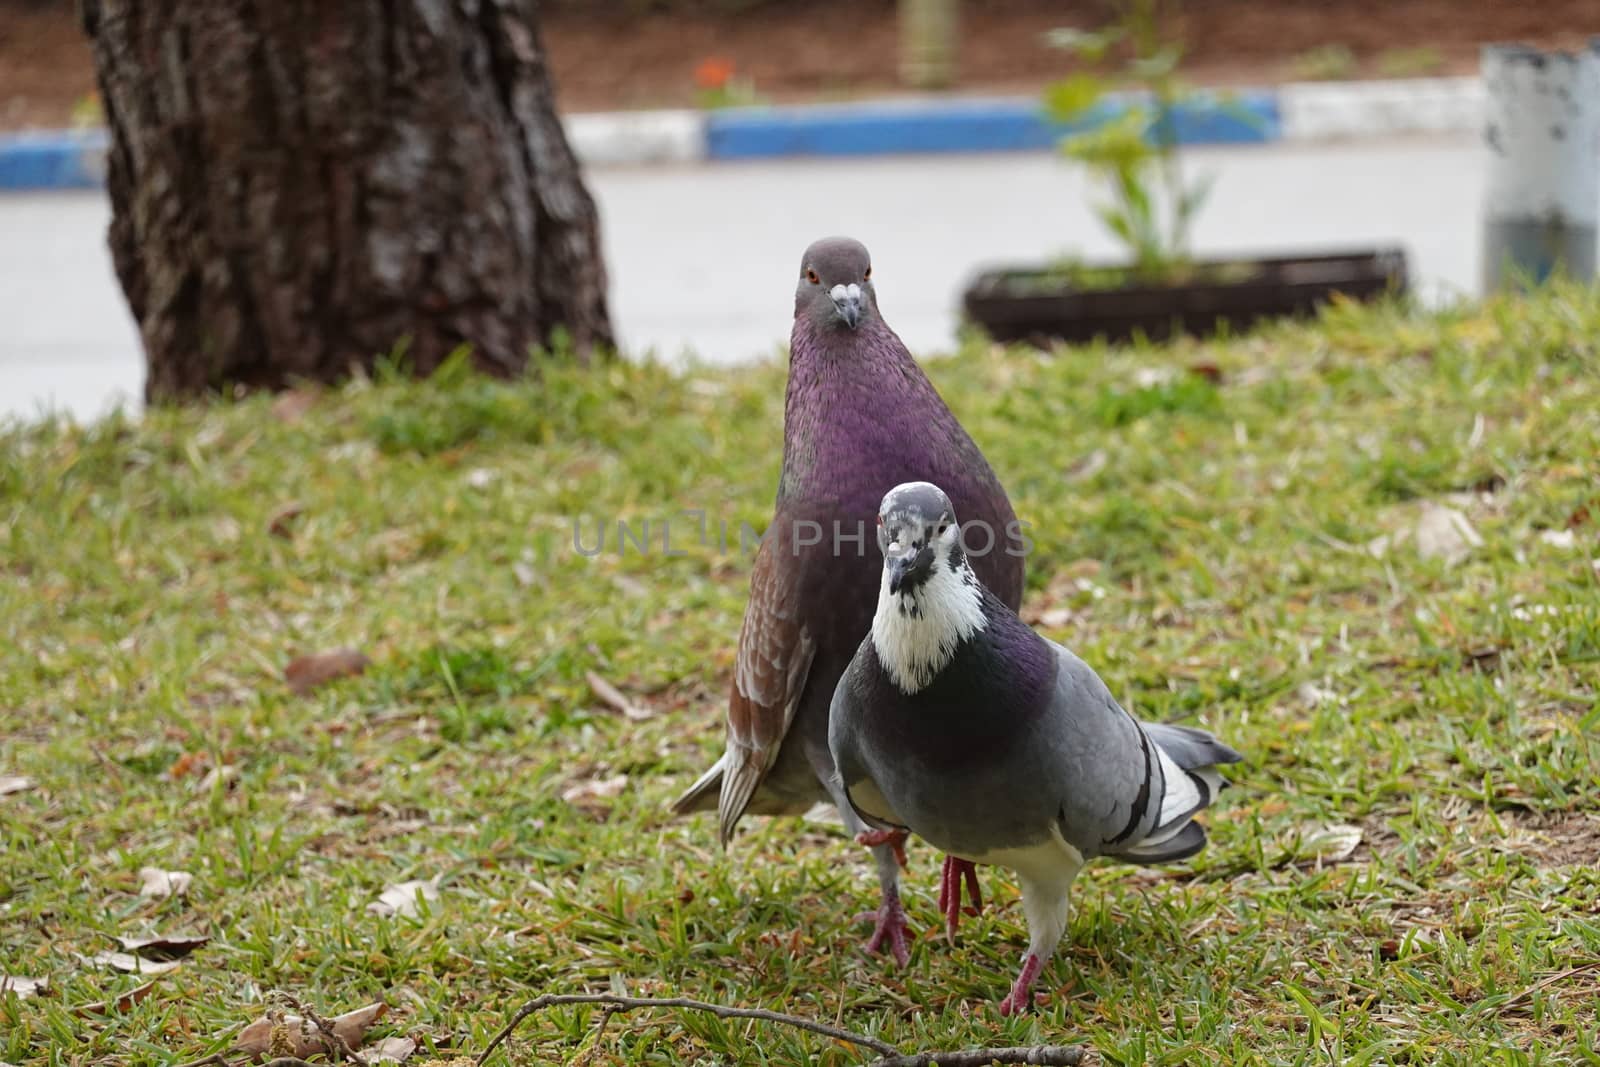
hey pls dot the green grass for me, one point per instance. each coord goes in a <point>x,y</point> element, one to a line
<point>1421,62</point>
<point>1328,62</point>
<point>1202,544</point>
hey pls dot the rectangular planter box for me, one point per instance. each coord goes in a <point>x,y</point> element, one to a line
<point>1021,305</point>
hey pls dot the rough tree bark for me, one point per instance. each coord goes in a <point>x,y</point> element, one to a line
<point>298,186</point>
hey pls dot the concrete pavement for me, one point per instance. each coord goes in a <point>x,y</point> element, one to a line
<point>702,257</point>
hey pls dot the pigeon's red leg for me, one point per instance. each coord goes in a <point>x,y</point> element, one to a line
<point>944,894</point>
<point>950,897</point>
<point>955,872</point>
<point>895,839</point>
<point>969,871</point>
<point>889,927</point>
<point>1020,998</point>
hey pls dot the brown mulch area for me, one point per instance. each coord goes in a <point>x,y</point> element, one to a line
<point>1560,839</point>
<point>607,54</point>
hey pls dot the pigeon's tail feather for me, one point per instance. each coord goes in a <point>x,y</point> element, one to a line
<point>739,781</point>
<point>1189,747</point>
<point>702,796</point>
<point>728,792</point>
<point>1189,839</point>
<point>1189,759</point>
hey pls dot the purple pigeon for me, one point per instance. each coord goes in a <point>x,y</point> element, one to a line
<point>859,418</point>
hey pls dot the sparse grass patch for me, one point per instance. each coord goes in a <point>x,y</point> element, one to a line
<point>1202,538</point>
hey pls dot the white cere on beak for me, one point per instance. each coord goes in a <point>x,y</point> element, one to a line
<point>841,292</point>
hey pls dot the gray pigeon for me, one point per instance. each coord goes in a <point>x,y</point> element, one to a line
<point>957,721</point>
<point>859,417</point>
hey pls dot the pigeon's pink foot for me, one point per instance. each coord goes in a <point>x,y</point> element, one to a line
<point>1020,998</point>
<point>954,872</point>
<point>889,928</point>
<point>895,839</point>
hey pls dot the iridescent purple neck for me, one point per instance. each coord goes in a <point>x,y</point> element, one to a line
<point>853,397</point>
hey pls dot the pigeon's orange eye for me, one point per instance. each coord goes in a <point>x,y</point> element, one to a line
<point>867,275</point>
<point>811,276</point>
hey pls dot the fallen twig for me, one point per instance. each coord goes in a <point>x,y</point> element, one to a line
<point>219,1060</point>
<point>324,1027</point>
<point>1516,999</point>
<point>1039,1055</point>
<point>613,698</point>
<point>1044,1055</point>
<point>216,1059</point>
<point>120,1003</point>
<point>550,1000</point>
<point>599,1032</point>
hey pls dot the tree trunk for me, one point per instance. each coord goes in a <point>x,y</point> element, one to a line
<point>301,187</point>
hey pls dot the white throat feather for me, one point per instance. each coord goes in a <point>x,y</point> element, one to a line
<point>916,631</point>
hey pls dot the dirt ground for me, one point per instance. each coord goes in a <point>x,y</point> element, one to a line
<point>606,54</point>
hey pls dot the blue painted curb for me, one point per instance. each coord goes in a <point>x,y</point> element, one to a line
<point>54,159</point>
<point>75,159</point>
<point>962,126</point>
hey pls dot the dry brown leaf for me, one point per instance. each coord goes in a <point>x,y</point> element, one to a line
<point>1444,533</point>
<point>401,900</point>
<point>226,530</point>
<point>161,948</point>
<point>189,763</point>
<point>1054,618</point>
<point>224,774</point>
<point>1314,695</point>
<point>1086,467</point>
<point>396,546</point>
<point>302,1036</point>
<point>118,1003</point>
<point>585,793</point>
<point>157,884</point>
<point>22,987</point>
<point>823,813</point>
<point>279,525</point>
<point>389,1050</point>
<point>1150,377</point>
<point>612,697</point>
<point>305,673</point>
<point>630,586</point>
<point>1330,843</point>
<point>1562,539</point>
<point>1439,532</point>
<point>14,783</point>
<point>293,405</point>
<point>127,961</point>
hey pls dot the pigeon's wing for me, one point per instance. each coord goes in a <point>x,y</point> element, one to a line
<point>852,781</point>
<point>775,652</point>
<point>1134,788</point>
<point>1108,779</point>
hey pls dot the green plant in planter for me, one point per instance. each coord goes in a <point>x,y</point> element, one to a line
<point>718,85</point>
<point>1152,205</point>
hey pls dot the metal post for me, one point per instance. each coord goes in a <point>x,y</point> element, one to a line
<point>1542,128</point>
<point>928,43</point>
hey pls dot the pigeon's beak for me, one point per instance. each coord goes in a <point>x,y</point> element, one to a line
<point>907,569</point>
<point>847,302</point>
